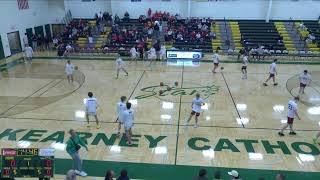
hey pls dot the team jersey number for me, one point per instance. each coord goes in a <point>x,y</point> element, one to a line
<point>290,107</point>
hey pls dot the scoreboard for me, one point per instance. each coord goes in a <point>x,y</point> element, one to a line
<point>27,162</point>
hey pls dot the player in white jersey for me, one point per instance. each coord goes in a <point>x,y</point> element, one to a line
<point>215,61</point>
<point>69,68</point>
<point>128,121</point>
<point>91,109</point>
<point>120,65</point>
<point>292,112</point>
<point>272,73</point>
<point>121,107</point>
<point>244,66</point>
<point>28,53</point>
<point>163,52</point>
<point>196,109</point>
<point>133,54</point>
<point>305,80</point>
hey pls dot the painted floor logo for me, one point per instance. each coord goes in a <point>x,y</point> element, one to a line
<point>169,93</point>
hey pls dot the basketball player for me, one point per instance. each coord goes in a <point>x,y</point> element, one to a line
<point>91,109</point>
<point>120,65</point>
<point>315,140</point>
<point>128,120</point>
<point>244,66</point>
<point>163,52</point>
<point>196,108</point>
<point>272,73</point>
<point>133,54</point>
<point>292,111</point>
<point>121,107</point>
<point>69,68</point>
<point>305,80</point>
<point>215,61</point>
<point>28,53</point>
<point>152,55</point>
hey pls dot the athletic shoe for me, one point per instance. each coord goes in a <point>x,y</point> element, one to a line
<point>292,133</point>
<point>275,84</point>
<point>98,126</point>
<point>196,126</point>
<point>129,143</point>
<point>77,172</point>
<point>280,134</point>
<point>118,134</point>
<point>83,174</point>
<point>265,84</point>
<point>127,74</point>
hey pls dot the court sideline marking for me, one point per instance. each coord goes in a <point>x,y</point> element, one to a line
<point>234,103</point>
<point>179,116</point>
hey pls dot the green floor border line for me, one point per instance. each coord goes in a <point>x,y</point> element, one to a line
<point>309,62</point>
<point>175,172</point>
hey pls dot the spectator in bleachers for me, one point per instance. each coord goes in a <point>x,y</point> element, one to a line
<point>126,17</point>
<point>123,175</point>
<point>198,36</point>
<point>302,26</point>
<point>149,12</point>
<point>179,37</point>
<point>90,39</point>
<point>100,16</point>
<point>212,35</point>
<point>34,42</point>
<point>109,175</point>
<point>116,19</point>
<point>55,42</point>
<point>150,32</point>
<point>71,175</point>
<point>202,175</point>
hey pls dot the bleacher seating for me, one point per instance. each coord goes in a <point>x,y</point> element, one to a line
<point>314,27</point>
<point>256,32</point>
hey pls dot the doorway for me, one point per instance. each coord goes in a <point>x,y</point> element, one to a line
<point>14,42</point>
<point>1,50</point>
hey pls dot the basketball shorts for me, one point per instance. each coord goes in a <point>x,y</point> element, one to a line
<point>195,113</point>
<point>303,85</point>
<point>290,120</point>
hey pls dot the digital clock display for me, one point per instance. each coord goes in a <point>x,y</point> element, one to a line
<point>27,162</point>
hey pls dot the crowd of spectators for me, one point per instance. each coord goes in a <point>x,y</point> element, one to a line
<point>195,30</point>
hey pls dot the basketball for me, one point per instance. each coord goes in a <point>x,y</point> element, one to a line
<point>76,67</point>
<point>161,83</point>
<point>222,68</point>
<point>176,83</point>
